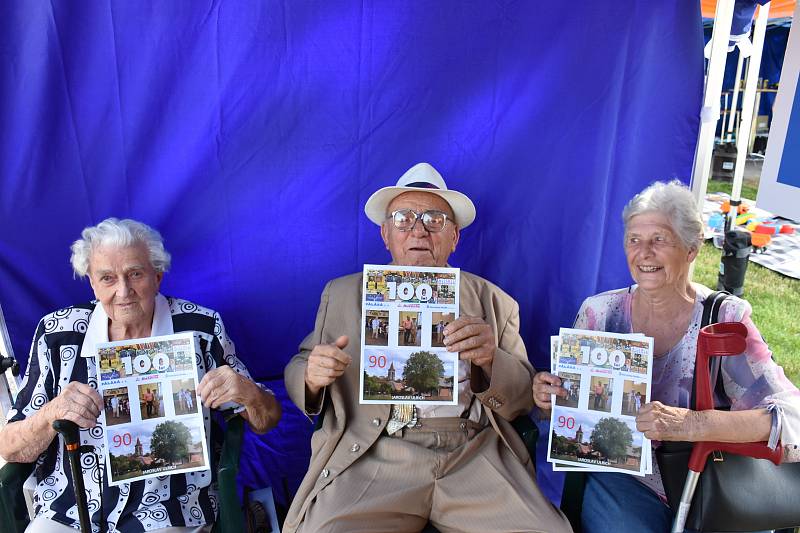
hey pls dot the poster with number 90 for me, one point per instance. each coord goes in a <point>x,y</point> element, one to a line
<point>404,312</point>
<point>153,423</point>
<point>606,378</point>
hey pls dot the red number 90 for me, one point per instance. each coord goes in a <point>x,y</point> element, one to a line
<point>379,361</point>
<point>122,440</point>
<point>566,421</point>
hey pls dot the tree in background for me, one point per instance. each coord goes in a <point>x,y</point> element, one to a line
<point>422,372</point>
<point>170,442</point>
<point>611,437</point>
<point>375,387</point>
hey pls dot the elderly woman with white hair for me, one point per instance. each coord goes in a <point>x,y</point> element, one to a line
<point>663,234</point>
<point>125,262</point>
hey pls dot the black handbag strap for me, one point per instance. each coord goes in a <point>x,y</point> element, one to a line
<point>711,307</point>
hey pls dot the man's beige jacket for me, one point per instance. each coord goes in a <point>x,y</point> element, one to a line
<point>349,429</point>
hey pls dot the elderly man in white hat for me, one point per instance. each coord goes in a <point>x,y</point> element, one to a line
<point>391,468</point>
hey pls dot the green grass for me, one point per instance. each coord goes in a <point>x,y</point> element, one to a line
<point>748,191</point>
<point>776,305</point>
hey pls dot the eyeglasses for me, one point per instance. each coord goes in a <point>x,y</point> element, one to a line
<point>405,219</point>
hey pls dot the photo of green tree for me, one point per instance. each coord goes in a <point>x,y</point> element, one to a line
<point>595,438</point>
<point>417,375</point>
<point>156,448</point>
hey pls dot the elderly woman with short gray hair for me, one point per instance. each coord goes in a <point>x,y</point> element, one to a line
<point>663,234</point>
<point>125,261</point>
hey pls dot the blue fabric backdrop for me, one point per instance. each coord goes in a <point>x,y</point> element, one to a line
<point>252,133</point>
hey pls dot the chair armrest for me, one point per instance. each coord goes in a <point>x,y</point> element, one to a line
<point>13,507</point>
<point>230,508</point>
<point>528,431</point>
<point>572,498</point>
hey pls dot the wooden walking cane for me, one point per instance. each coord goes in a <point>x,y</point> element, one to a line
<point>69,430</point>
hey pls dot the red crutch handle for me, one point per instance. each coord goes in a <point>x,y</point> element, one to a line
<point>715,340</point>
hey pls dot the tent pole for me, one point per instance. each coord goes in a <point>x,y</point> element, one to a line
<point>725,117</point>
<point>736,83</point>
<point>9,382</point>
<point>748,102</point>
<point>756,108</point>
<point>739,113</point>
<point>709,114</point>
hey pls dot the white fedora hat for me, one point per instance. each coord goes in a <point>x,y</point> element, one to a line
<point>422,177</point>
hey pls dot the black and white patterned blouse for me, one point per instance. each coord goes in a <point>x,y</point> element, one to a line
<point>165,501</point>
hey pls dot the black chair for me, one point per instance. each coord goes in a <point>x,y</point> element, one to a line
<point>13,507</point>
<point>572,499</point>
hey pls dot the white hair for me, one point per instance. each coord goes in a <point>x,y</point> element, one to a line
<point>118,233</point>
<point>676,202</point>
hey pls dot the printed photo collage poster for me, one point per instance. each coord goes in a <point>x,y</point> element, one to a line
<point>607,377</point>
<point>404,311</point>
<point>153,421</point>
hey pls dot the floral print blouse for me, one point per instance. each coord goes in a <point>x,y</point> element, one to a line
<point>751,381</point>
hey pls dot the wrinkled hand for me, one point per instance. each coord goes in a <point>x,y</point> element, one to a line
<point>545,384</point>
<point>325,364</point>
<point>224,384</point>
<point>664,422</point>
<point>77,402</point>
<point>473,340</point>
